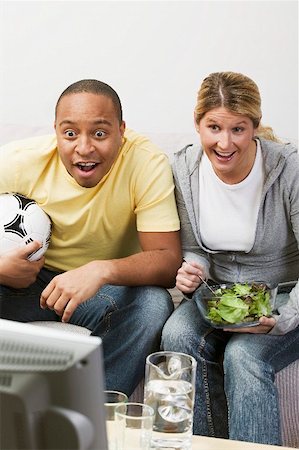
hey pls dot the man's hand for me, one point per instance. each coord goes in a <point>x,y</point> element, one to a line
<point>67,290</point>
<point>156,265</point>
<point>16,270</point>
<point>264,326</point>
<point>188,277</point>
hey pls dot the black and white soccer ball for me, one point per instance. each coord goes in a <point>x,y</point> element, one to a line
<point>23,221</point>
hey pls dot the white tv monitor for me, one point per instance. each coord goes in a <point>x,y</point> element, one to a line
<point>51,389</point>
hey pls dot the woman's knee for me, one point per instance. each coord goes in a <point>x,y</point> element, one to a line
<point>234,357</point>
<point>179,332</point>
<point>242,364</point>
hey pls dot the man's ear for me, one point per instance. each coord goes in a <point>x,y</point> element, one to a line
<point>122,128</point>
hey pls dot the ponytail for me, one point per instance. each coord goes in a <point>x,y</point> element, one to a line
<point>266,132</point>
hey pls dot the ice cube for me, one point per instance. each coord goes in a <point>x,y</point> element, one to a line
<point>174,365</point>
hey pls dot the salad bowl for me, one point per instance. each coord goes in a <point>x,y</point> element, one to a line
<point>236,305</point>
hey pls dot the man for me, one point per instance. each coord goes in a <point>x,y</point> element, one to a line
<point>115,241</point>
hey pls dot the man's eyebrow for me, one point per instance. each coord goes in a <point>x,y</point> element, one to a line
<point>96,122</point>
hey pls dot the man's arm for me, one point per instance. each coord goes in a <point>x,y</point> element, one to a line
<point>157,264</point>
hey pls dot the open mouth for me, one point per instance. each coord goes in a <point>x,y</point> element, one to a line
<point>86,167</point>
<point>224,156</point>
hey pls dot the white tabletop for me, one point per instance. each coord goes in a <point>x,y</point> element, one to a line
<point>207,443</point>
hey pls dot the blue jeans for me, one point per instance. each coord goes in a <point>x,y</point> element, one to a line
<point>236,397</point>
<point>129,320</point>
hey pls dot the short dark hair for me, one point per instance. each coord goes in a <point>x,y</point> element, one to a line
<point>94,87</point>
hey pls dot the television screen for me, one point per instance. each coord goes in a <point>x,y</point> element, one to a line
<point>51,389</point>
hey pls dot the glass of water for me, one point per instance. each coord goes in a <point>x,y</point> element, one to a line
<point>112,400</point>
<point>169,389</point>
<point>134,426</point>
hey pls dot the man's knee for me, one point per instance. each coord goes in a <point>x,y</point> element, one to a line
<point>154,302</point>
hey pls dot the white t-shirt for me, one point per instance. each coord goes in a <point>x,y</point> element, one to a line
<point>228,212</point>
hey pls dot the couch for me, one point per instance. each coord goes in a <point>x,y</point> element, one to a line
<point>287,380</point>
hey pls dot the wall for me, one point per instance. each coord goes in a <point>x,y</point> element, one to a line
<point>154,53</point>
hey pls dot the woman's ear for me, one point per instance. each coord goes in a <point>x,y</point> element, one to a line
<point>195,123</point>
<point>256,126</point>
<point>256,131</point>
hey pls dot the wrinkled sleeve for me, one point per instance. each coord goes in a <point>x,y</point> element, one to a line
<point>155,206</point>
<point>287,317</point>
<point>8,159</point>
<point>190,246</point>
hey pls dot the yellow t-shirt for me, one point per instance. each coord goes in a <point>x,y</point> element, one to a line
<point>99,222</point>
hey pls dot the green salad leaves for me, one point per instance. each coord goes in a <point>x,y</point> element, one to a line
<point>239,303</point>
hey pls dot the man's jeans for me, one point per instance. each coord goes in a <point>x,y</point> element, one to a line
<point>128,319</point>
<point>235,392</point>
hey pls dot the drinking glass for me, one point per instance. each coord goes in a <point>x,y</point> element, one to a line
<point>134,426</point>
<point>169,390</point>
<point>113,399</point>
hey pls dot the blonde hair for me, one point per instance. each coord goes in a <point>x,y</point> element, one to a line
<point>235,92</point>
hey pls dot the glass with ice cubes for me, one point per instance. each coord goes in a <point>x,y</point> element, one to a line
<point>169,389</point>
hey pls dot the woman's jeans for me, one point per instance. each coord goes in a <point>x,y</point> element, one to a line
<point>129,321</point>
<point>235,392</point>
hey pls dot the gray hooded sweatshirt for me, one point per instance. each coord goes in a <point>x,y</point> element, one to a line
<point>274,256</point>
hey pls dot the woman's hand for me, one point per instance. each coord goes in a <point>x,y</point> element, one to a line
<point>189,277</point>
<point>265,325</point>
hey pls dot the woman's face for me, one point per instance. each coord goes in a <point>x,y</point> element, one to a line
<point>227,140</point>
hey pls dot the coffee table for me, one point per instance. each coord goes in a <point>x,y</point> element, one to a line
<point>208,443</point>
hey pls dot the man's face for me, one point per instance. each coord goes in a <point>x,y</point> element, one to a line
<point>89,136</point>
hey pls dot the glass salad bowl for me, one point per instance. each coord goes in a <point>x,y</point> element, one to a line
<point>236,305</point>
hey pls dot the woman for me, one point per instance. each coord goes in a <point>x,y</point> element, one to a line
<point>238,199</point>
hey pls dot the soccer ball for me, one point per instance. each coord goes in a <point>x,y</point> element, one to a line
<point>21,222</point>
